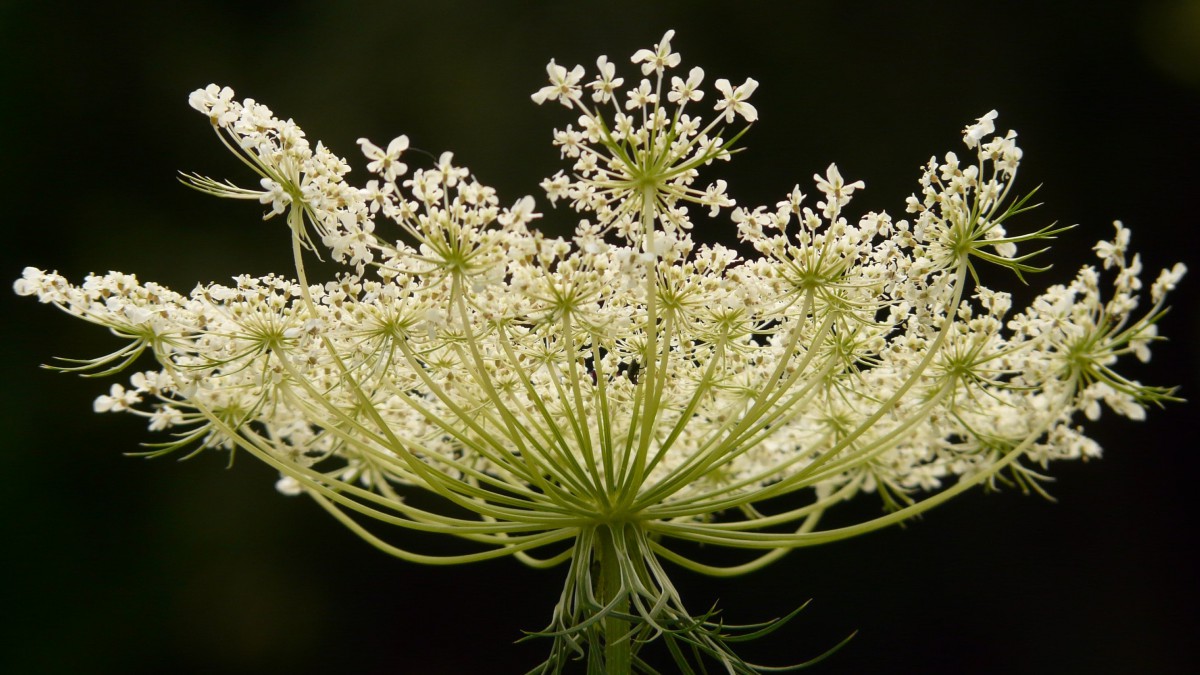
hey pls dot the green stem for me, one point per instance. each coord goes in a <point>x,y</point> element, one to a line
<point>618,653</point>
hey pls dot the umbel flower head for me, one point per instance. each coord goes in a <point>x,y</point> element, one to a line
<point>608,401</point>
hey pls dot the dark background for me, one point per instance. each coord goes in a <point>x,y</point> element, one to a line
<point>117,565</point>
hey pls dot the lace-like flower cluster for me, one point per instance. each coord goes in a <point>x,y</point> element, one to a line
<point>609,396</point>
<point>637,163</point>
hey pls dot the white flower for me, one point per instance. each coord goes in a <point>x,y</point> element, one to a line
<point>974,133</point>
<point>447,173</point>
<point>117,400</point>
<point>660,58</point>
<point>274,194</point>
<point>792,204</point>
<point>522,213</point>
<point>716,198</point>
<point>642,97</point>
<point>837,191</point>
<point>386,162</point>
<point>1113,252</point>
<point>216,102</point>
<point>605,83</point>
<point>687,91</point>
<point>378,196</point>
<point>289,486</point>
<point>556,187</point>
<point>1166,282</point>
<point>734,101</point>
<point>563,87</point>
<point>164,418</point>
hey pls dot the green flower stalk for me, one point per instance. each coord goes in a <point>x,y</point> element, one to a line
<point>607,402</point>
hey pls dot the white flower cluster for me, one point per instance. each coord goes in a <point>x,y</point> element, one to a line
<point>626,389</point>
<point>295,179</point>
<point>640,160</point>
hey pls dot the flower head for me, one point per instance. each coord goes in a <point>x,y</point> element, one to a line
<point>617,396</point>
<point>648,152</point>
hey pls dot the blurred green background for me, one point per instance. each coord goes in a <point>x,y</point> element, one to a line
<point>119,565</point>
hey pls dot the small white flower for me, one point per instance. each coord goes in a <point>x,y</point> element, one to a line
<point>1113,252</point>
<point>689,90</point>
<point>521,213</point>
<point>716,199</point>
<point>448,173</point>
<point>289,486</point>
<point>386,162</point>
<point>606,82</point>
<point>792,204</point>
<point>837,191</point>
<point>164,418</point>
<point>117,400</point>
<point>974,133</point>
<point>563,87</point>
<point>734,101</point>
<point>660,58</point>
<point>274,194</point>
<point>378,197</point>
<point>216,102</point>
<point>1166,282</point>
<point>556,187</point>
<point>642,97</point>
<point>31,282</point>
<point>137,315</point>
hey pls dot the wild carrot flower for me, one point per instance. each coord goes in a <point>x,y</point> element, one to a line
<point>606,401</point>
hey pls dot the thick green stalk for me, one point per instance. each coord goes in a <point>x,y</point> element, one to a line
<point>618,652</point>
